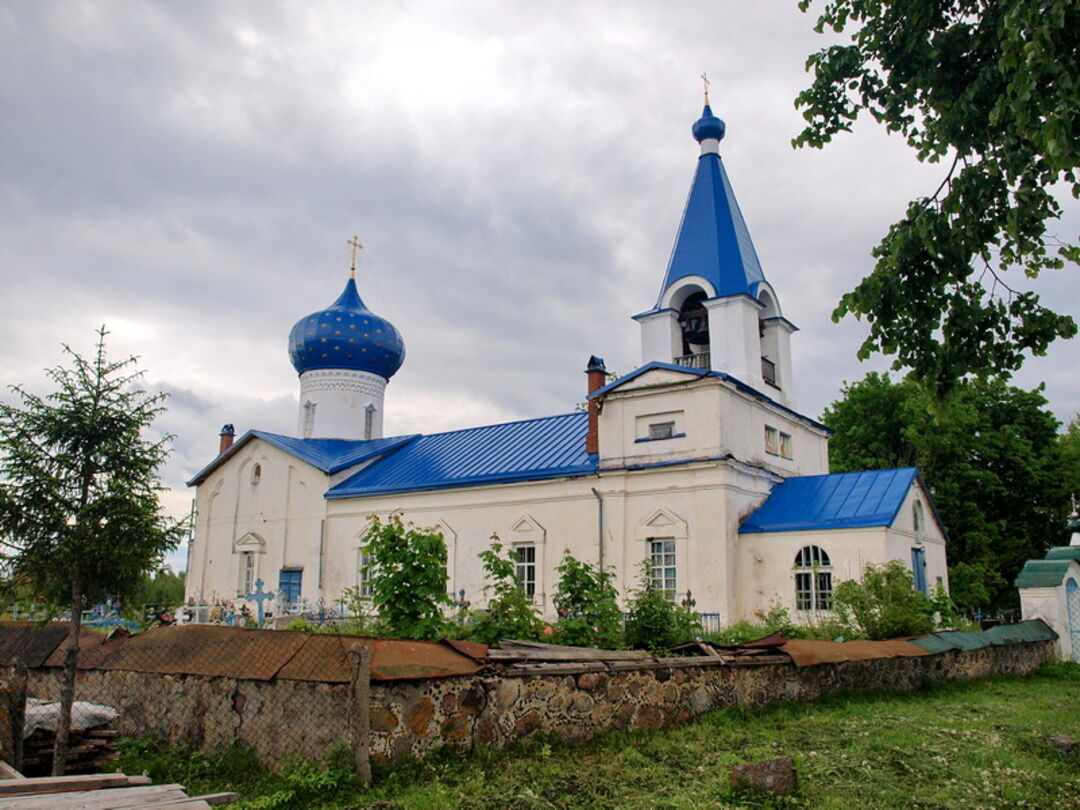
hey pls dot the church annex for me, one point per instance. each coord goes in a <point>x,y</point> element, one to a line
<point>698,460</point>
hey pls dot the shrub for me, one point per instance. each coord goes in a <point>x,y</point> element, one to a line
<point>654,622</point>
<point>883,604</point>
<point>408,578</point>
<point>510,612</point>
<point>586,601</point>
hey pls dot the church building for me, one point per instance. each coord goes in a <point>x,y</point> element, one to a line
<point>698,460</point>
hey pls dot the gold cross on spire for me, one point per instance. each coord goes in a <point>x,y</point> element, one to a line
<point>354,242</point>
<point>705,79</point>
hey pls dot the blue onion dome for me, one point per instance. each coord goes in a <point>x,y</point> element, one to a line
<point>708,126</point>
<point>346,335</point>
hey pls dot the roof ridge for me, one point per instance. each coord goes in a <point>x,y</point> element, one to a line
<point>501,424</point>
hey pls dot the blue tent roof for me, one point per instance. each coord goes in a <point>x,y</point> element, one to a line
<point>836,501</point>
<point>328,455</point>
<point>713,241</point>
<point>552,447</point>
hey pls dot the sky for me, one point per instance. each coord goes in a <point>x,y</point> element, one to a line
<point>187,174</point>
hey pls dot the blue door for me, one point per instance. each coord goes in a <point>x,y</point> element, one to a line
<point>289,585</point>
<point>918,567</point>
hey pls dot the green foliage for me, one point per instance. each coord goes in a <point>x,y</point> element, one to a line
<point>587,604</point>
<point>164,588</point>
<point>408,581</point>
<point>79,508</point>
<point>988,452</point>
<point>510,612</point>
<point>883,604</point>
<point>654,622</point>
<point>775,619</point>
<point>990,88</point>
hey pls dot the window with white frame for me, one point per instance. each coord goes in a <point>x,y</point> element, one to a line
<point>525,568</point>
<point>917,520</point>
<point>369,421</point>
<point>662,557</point>
<point>813,579</point>
<point>785,445</point>
<point>772,441</point>
<point>247,572</point>
<point>363,571</point>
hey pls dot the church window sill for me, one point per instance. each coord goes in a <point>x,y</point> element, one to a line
<point>660,438</point>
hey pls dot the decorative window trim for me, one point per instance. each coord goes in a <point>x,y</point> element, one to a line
<point>662,522</point>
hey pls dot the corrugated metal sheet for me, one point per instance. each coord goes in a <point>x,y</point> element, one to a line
<point>963,640</point>
<point>230,652</point>
<point>1064,553</point>
<point>808,652</point>
<point>552,447</point>
<point>30,642</point>
<point>1042,573</point>
<point>839,500</point>
<point>1029,630</point>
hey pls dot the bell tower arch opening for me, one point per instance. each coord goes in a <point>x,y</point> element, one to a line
<point>694,348</point>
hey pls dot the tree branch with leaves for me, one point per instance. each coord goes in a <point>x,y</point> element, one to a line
<point>993,89</point>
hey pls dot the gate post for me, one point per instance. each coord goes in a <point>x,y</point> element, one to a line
<point>360,711</point>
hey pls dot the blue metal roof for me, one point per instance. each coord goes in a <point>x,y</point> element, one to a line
<point>552,447</point>
<point>713,241</point>
<point>328,455</point>
<point>835,501</point>
<point>700,372</point>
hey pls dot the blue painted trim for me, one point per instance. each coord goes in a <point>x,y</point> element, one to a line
<point>647,313</point>
<point>782,319</point>
<point>661,439</point>
<point>699,372</point>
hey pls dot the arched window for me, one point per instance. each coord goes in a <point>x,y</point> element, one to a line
<point>813,579</point>
<point>917,520</point>
<point>694,329</point>
<point>256,474</point>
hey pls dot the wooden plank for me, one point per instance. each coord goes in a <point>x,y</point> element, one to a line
<point>567,655</point>
<point>105,799</point>
<point>219,798</point>
<point>513,645</point>
<point>60,784</point>
<point>570,668</point>
<point>183,804</point>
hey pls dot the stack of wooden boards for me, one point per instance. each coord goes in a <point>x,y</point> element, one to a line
<point>534,658</point>
<point>91,750</point>
<point>113,791</point>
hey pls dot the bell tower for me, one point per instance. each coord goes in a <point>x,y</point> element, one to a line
<point>715,310</point>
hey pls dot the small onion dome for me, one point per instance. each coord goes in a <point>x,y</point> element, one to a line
<point>346,335</point>
<point>708,126</point>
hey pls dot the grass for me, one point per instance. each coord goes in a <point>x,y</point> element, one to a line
<point>974,745</point>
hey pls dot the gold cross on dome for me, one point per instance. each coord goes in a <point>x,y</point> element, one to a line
<point>354,242</point>
<point>705,80</point>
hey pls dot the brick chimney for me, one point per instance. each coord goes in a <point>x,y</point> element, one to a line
<point>228,433</point>
<point>597,377</point>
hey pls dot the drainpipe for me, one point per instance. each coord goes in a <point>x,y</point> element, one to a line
<point>600,516</point>
<point>322,543</point>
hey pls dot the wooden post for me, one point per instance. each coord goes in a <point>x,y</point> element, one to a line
<point>360,713</point>
<point>12,712</point>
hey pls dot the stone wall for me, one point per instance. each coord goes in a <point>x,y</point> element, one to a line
<point>284,720</point>
<point>413,718</point>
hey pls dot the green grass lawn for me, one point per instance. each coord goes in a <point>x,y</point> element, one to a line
<point>958,746</point>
